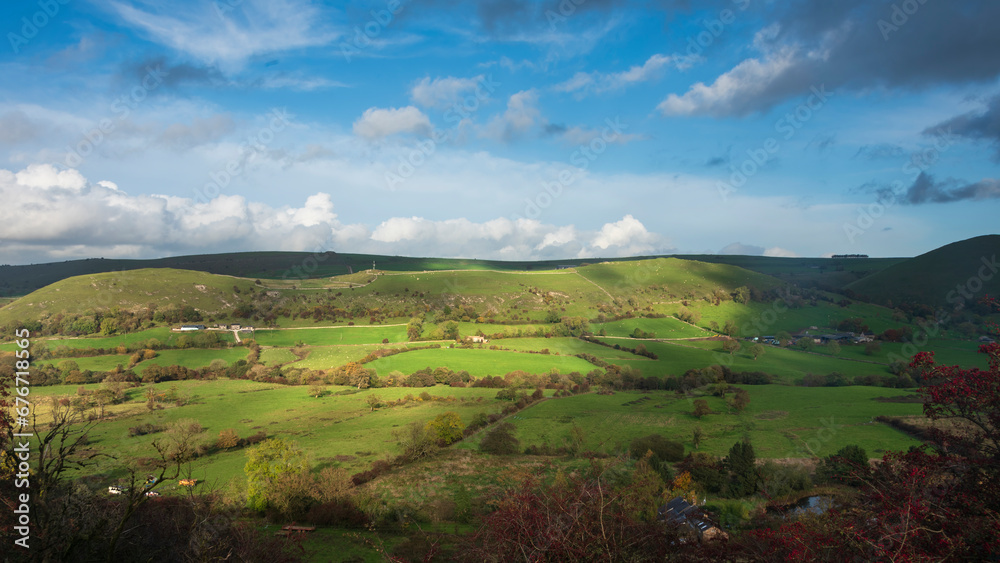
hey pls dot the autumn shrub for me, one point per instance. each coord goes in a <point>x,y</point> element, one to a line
<point>500,440</point>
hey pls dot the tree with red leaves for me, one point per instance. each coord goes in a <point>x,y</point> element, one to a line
<point>586,518</point>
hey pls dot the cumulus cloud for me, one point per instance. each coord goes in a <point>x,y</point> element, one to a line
<point>66,212</point>
<point>442,92</point>
<point>514,239</point>
<point>521,116</point>
<point>627,237</point>
<point>377,123</point>
<point>71,217</point>
<point>735,92</point>
<point>599,82</point>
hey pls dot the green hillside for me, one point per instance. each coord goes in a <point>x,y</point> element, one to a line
<point>392,296</point>
<point>937,277</point>
<point>208,293</point>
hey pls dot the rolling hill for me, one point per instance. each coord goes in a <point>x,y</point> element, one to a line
<point>961,272</point>
<point>524,295</point>
<point>208,293</point>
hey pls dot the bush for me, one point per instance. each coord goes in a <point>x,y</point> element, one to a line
<point>446,427</point>
<point>500,440</point>
<point>662,448</point>
<point>846,465</point>
<point>145,428</point>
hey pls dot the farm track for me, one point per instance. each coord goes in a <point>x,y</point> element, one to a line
<point>595,285</point>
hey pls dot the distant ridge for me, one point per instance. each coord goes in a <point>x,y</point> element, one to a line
<point>958,273</point>
<point>22,280</point>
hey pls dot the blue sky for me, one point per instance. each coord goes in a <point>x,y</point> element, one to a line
<point>507,130</point>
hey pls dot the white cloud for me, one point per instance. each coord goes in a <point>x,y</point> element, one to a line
<point>66,212</point>
<point>627,237</point>
<point>376,123</point>
<point>747,80</point>
<point>43,176</point>
<point>442,92</point>
<point>602,82</point>
<point>521,115</point>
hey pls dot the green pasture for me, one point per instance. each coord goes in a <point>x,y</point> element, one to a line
<point>93,363</point>
<point>668,327</point>
<point>760,319</point>
<point>326,427</point>
<point>781,421</point>
<point>675,358</point>
<point>329,357</point>
<point>276,356</point>
<point>566,346</point>
<point>330,336</point>
<point>194,358</point>
<point>478,363</point>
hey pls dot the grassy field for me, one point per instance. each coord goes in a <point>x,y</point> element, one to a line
<point>331,336</point>
<point>193,359</point>
<point>329,357</point>
<point>94,363</point>
<point>759,319</point>
<point>780,421</point>
<point>662,328</point>
<point>675,358</point>
<point>276,356</point>
<point>478,363</point>
<point>327,427</point>
<point>566,346</point>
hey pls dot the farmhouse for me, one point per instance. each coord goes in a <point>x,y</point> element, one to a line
<point>837,337</point>
<point>477,338</point>
<point>679,512</point>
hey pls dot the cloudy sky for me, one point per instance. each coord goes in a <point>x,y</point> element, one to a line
<point>510,129</point>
